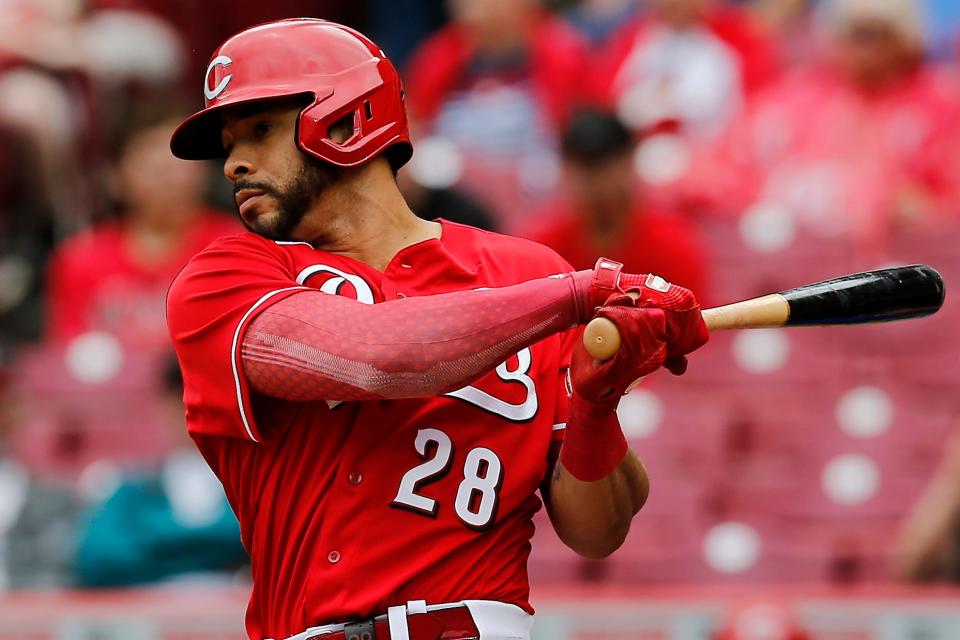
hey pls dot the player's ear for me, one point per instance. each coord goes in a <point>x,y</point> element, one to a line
<point>341,130</point>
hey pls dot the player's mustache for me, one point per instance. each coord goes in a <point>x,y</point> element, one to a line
<point>240,185</point>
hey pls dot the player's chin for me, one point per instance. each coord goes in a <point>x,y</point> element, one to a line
<point>260,220</point>
<point>273,225</point>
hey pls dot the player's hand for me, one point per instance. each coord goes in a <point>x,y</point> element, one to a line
<point>607,281</point>
<point>658,326</point>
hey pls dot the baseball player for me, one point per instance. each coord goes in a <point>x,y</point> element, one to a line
<point>383,396</point>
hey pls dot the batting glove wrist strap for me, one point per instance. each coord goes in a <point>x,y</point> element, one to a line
<point>593,444</point>
<point>593,288</point>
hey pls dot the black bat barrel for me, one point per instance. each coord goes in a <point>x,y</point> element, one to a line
<point>873,296</point>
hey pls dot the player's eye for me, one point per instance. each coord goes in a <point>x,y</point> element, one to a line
<point>261,129</point>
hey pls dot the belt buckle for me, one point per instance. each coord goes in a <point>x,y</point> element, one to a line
<point>363,630</point>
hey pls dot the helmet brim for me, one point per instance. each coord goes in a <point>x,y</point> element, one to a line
<point>199,136</point>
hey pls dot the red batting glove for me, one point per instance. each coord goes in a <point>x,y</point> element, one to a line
<point>658,324</point>
<point>685,330</point>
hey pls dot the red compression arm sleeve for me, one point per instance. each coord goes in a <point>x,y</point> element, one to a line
<point>315,346</point>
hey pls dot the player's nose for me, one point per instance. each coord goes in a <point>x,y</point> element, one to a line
<point>236,166</point>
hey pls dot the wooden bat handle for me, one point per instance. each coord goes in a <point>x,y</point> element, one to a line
<point>601,338</point>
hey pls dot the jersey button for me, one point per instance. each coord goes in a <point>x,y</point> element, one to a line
<point>333,557</point>
<point>355,478</point>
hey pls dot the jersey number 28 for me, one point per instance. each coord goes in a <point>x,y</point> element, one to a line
<point>478,493</point>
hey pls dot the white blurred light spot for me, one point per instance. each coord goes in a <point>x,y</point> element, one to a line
<point>640,413</point>
<point>865,412</point>
<point>98,481</point>
<point>850,479</point>
<point>761,351</point>
<point>120,44</point>
<point>661,159</point>
<point>762,621</point>
<point>731,547</point>
<point>437,164</point>
<point>94,357</point>
<point>642,105</point>
<point>767,227</point>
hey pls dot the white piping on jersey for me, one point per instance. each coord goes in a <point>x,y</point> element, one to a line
<point>289,242</point>
<point>233,355</point>
<point>560,426</point>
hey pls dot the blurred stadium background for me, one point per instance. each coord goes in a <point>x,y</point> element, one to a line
<point>805,483</point>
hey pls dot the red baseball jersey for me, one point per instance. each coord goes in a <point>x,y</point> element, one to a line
<point>348,508</point>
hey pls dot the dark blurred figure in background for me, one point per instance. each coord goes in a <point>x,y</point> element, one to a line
<point>165,523</point>
<point>604,212</point>
<point>431,200</point>
<point>399,26</point>
<point>928,544</point>
<point>114,276</point>
<point>859,146</point>
<point>498,83</point>
<point>38,515</point>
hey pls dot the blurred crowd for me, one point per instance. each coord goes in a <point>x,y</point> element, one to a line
<point>681,137</point>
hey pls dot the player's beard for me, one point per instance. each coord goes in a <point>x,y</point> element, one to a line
<point>293,200</point>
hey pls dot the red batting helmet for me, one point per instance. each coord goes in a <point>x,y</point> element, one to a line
<point>341,71</point>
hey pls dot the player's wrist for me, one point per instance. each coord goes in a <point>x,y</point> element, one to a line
<point>590,411</point>
<point>594,444</point>
<point>592,288</point>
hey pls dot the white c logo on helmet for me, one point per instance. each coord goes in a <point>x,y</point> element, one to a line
<point>219,61</point>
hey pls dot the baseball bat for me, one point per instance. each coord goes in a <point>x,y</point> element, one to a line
<point>873,296</point>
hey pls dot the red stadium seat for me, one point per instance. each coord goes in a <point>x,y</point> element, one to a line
<point>70,423</point>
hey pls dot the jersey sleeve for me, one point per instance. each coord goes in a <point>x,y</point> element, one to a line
<point>209,305</point>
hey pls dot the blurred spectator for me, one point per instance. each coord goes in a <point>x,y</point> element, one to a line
<point>114,277</point>
<point>399,38</point>
<point>498,83</point>
<point>860,146</point>
<point>171,522</point>
<point>928,544</point>
<point>605,214</point>
<point>684,64</point>
<point>69,75</point>
<point>500,79</point>
<point>41,100</point>
<point>789,27</point>
<point>38,517</point>
<point>597,20</point>
<point>62,68</point>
